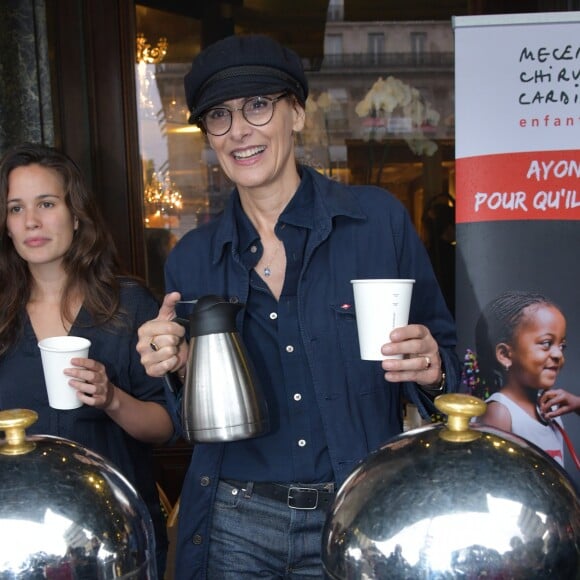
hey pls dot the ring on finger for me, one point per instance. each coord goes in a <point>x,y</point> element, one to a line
<point>153,346</point>
<point>427,362</point>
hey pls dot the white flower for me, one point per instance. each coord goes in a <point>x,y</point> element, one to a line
<point>421,146</point>
<point>393,103</point>
<point>311,105</point>
<point>325,100</point>
<point>363,108</point>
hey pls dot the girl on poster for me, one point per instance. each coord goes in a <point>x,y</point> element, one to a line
<point>520,342</point>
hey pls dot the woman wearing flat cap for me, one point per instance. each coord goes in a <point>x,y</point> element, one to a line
<point>287,246</point>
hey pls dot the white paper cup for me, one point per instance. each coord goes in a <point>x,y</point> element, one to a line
<point>381,306</point>
<point>56,353</point>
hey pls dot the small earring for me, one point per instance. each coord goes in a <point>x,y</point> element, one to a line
<point>506,368</point>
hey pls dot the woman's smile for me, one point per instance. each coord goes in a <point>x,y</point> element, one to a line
<point>248,153</point>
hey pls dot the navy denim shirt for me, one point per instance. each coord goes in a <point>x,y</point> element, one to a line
<point>357,232</point>
<point>295,450</point>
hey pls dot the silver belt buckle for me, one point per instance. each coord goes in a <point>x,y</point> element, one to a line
<point>312,493</point>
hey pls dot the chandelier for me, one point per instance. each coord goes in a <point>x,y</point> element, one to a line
<point>148,54</point>
<point>162,196</point>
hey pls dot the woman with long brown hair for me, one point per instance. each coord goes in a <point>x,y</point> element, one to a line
<point>61,276</point>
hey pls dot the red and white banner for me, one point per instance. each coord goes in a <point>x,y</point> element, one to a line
<point>518,117</point>
<point>539,185</point>
<point>517,89</point>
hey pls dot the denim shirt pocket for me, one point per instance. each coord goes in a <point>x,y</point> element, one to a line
<point>362,376</point>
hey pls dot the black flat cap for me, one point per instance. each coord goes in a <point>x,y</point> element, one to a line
<point>242,66</point>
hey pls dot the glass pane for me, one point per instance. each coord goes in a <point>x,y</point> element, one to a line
<point>380,111</point>
<point>181,187</point>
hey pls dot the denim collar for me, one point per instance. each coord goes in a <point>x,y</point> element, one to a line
<point>318,200</point>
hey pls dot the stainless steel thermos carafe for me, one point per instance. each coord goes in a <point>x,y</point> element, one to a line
<point>222,400</point>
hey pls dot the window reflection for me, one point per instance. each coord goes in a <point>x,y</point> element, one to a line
<point>493,538</point>
<point>407,149</point>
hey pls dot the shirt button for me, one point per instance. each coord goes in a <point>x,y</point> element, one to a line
<point>235,491</point>
<point>289,348</point>
<point>273,315</point>
<point>297,397</point>
<point>301,442</point>
<point>253,249</point>
<point>204,481</point>
<point>197,539</point>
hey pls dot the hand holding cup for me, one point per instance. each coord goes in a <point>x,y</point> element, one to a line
<point>56,353</point>
<point>381,306</point>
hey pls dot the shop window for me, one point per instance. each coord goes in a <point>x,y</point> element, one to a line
<point>418,42</point>
<point>376,114</point>
<point>333,49</point>
<point>376,44</point>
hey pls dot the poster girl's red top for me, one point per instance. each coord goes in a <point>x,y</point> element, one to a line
<point>518,149</point>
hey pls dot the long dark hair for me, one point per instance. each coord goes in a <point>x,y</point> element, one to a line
<point>498,323</point>
<point>91,263</point>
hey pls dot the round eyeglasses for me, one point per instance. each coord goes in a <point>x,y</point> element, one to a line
<point>257,111</point>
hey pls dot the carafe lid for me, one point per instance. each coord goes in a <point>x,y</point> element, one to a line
<point>213,314</point>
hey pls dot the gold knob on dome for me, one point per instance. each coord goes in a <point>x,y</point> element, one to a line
<point>460,409</point>
<point>14,423</point>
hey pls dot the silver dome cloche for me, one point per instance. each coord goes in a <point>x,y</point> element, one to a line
<point>66,512</point>
<point>455,501</point>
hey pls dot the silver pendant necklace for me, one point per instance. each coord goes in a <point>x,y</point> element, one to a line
<point>267,270</point>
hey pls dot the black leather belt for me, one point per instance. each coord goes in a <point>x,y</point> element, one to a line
<point>298,497</point>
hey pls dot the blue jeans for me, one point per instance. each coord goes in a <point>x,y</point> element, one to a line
<point>257,537</point>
